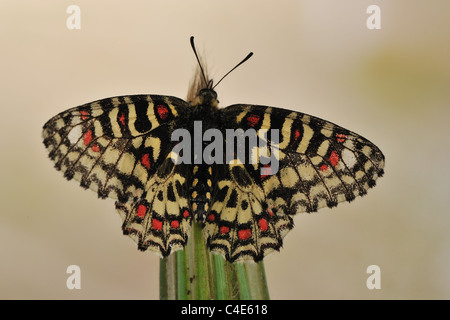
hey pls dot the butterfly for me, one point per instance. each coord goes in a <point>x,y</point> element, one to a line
<point>123,148</point>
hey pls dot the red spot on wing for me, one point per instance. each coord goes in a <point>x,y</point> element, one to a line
<point>87,138</point>
<point>122,119</point>
<point>244,234</point>
<point>156,224</point>
<point>270,212</point>
<point>263,224</point>
<point>84,115</point>
<point>186,213</point>
<point>163,111</point>
<point>211,217</point>
<point>253,120</point>
<point>341,137</point>
<point>324,167</point>
<point>146,161</point>
<point>174,224</point>
<point>266,170</point>
<point>334,158</point>
<point>224,229</point>
<point>296,135</point>
<point>141,211</point>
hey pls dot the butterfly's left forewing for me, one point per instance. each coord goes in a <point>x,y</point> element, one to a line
<point>113,145</point>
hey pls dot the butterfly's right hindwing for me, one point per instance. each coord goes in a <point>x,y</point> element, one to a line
<point>113,146</point>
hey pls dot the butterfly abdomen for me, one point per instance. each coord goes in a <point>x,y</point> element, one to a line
<point>204,116</point>
<point>200,190</point>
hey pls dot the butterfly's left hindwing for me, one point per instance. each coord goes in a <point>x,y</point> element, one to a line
<point>160,219</point>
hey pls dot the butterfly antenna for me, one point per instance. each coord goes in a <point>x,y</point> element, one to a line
<point>245,59</point>
<point>201,68</point>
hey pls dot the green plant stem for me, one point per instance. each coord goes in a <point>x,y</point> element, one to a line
<point>195,273</point>
<point>243,281</point>
<point>257,280</point>
<point>162,279</point>
<point>202,265</point>
<point>182,278</point>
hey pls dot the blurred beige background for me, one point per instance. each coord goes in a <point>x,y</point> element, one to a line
<point>318,57</point>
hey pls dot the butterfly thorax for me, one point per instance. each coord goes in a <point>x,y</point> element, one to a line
<point>206,98</point>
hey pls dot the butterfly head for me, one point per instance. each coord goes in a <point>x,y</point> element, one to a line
<point>206,96</point>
